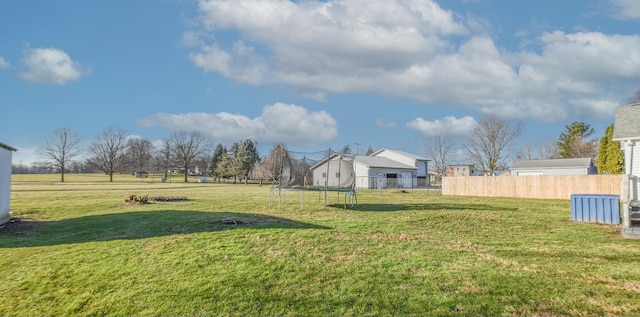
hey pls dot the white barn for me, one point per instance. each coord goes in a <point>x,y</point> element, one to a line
<point>6,153</point>
<point>382,172</point>
<point>384,168</point>
<point>565,166</point>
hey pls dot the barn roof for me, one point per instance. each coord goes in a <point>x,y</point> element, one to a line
<point>6,147</point>
<point>371,162</point>
<point>554,163</point>
<point>382,162</point>
<point>626,125</point>
<point>409,155</point>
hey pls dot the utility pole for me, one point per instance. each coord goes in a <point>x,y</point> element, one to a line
<point>357,148</point>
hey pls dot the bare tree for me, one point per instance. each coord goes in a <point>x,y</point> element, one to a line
<point>438,148</point>
<point>187,147</point>
<point>490,145</point>
<point>139,153</point>
<point>60,148</point>
<point>541,151</point>
<point>269,167</point>
<point>108,151</point>
<point>162,158</point>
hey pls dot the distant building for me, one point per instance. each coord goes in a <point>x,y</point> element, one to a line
<point>6,153</point>
<point>565,166</point>
<point>382,169</point>
<point>461,170</point>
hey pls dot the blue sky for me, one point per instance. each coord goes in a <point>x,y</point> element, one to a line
<point>312,74</point>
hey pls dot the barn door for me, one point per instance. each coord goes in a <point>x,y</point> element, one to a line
<point>407,179</point>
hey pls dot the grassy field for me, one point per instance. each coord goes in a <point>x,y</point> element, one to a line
<point>80,251</point>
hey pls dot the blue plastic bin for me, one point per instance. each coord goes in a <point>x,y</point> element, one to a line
<point>596,208</point>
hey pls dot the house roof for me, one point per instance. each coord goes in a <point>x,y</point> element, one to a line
<point>409,155</point>
<point>382,162</point>
<point>626,125</point>
<point>6,147</point>
<point>554,163</point>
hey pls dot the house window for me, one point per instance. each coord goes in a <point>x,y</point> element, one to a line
<point>338,174</point>
<point>324,175</point>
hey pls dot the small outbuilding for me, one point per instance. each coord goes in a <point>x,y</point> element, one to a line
<point>566,166</point>
<point>6,152</point>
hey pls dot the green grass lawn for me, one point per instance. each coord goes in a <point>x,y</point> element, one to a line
<point>80,251</point>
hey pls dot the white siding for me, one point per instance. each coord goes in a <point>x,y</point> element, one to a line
<point>635,165</point>
<point>5,184</point>
<point>421,165</point>
<point>362,175</point>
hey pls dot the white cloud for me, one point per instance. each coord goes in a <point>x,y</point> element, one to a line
<point>278,123</point>
<point>190,39</point>
<point>50,65</point>
<point>382,123</point>
<point>626,9</point>
<point>414,49</point>
<point>448,125</point>
<point>3,63</point>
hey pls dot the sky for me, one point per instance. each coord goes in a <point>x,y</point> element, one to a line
<point>313,74</point>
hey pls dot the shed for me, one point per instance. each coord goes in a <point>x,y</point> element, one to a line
<point>6,153</point>
<point>566,166</point>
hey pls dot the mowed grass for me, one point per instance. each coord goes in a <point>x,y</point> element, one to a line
<point>80,251</point>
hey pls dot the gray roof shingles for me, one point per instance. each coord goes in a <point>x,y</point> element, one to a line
<point>627,124</point>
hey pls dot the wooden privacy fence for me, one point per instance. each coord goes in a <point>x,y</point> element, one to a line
<point>540,187</point>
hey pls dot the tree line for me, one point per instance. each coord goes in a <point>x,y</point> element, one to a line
<point>492,146</point>
<point>112,152</point>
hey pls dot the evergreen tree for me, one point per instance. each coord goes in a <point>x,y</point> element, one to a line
<point>610,155</point>
<point>225,166</point>
<point>246,158</point>
<point>234,163</point>
<point>575,142</point>
<point>219,151</point>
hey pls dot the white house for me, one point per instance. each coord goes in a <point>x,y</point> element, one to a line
<point>626,130</point>
<point>565,166</point>
<point>5,180</point>
<point>383,169</point>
